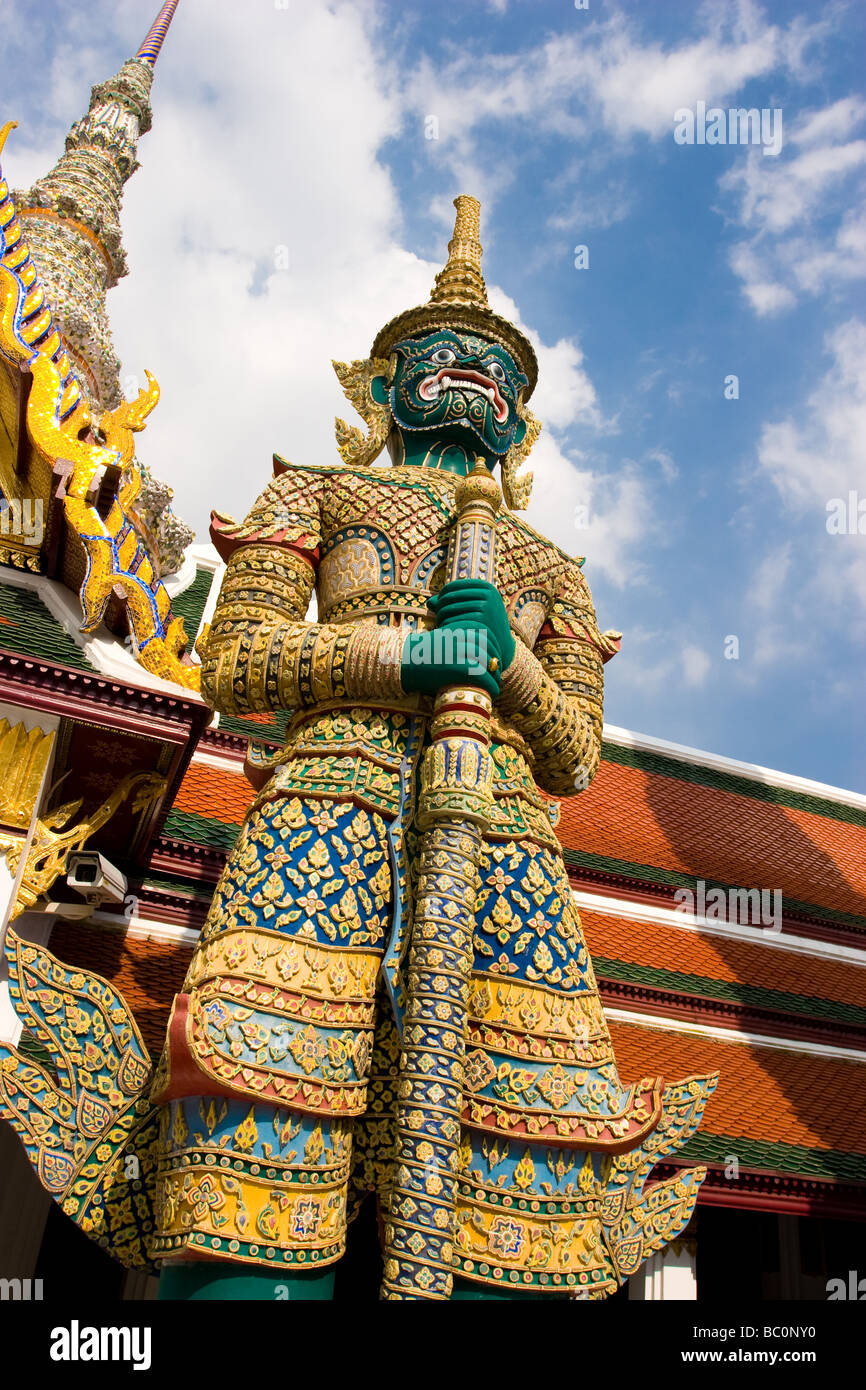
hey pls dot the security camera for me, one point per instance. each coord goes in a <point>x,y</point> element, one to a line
<point>95,878</point>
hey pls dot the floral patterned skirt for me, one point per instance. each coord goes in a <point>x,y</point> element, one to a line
<point>280,1075</point>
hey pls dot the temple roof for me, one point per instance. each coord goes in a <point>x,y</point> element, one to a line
<point>658,820</point>
<point>39,617</point>
<point>791,980</point>
<point>64,246</point>
<point>29,628</point>
<point>774,1107</point>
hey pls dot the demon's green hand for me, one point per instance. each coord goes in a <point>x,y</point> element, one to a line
<point>472,644</point>
<point>475,603</point>
<point>433,660</point>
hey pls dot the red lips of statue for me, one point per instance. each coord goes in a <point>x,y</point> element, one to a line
<point>487,383</point>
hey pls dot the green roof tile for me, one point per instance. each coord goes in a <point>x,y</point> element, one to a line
<point>28,628</point>
<point>704,1147</point>
<point>199,830</point>
<point>810,1006</point>
<point>165,883</point>
<point>274,733</point>
<point>698,774</point>
<point>190,604</point>
<point>651,873</point>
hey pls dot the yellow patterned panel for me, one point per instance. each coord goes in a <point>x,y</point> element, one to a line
<point>24,756</point>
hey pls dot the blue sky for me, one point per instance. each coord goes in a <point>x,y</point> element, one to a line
<point>305,127</point>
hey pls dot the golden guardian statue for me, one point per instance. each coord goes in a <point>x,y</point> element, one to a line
<point>391,999</point>
<point>392,994</point>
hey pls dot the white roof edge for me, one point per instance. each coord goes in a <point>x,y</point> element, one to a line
<point>205,555</point>
<point>221,762</point>
<point>735,1035</point>
<point>657,913</point>
<point>680,752</point>
<point>146,928</point>
<point>195,558</point>
<point>107,654</point>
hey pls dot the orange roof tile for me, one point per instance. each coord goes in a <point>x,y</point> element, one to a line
<point>721,958</point>
<point>147,973</point>
<point>697,831</point>
<point>764,1093</point>
<point>214,793</point>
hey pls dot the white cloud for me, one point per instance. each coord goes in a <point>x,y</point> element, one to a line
<point>610,517</point>
<point>823,454</point>
<point>782,194</point>
<point>804,236</point>
<point>660,662</point>
<point>771,578</point>
<point>665,461</point>
<point>818,458</point>
<point>833,122</point>
<point>765,296</point>
<point>695,665</point>
<point>592,77</point>
<point>635,86</point>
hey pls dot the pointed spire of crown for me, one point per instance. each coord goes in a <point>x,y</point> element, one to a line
<point>459,300</point>
<point>149,50</point>
<point>461,281</point>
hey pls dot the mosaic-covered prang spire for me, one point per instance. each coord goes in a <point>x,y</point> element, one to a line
<point>71,216</point>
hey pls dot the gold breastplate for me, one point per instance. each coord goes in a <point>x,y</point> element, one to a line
<point>385,547</point>
<point>360,579</point>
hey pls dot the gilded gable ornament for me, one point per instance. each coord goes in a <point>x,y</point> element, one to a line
<point>357,449</point>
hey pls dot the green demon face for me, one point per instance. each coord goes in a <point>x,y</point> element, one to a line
<point>457,386</point>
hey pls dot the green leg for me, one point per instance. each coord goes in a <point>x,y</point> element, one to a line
<point>210,1281</point>
<point>465,1290</point>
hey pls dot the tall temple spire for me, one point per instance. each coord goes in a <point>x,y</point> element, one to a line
<point>149,50</point>
<point>72,216</point>
<point>461,281</point>
<point>71,219</point>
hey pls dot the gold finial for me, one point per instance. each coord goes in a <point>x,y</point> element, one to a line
<point>459,301</point>
<point>461,282</point>
<point>478,492</point>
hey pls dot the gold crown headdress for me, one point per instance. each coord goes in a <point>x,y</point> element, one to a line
<point>458,300</point>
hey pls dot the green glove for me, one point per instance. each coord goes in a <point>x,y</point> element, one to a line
<point>459,656</point>
<point>466,602</point>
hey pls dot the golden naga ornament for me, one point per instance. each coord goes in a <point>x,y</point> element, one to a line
<point>54,839</point>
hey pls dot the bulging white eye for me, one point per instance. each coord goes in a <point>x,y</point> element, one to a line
<point>443,357</point>
<point>496,370</point>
